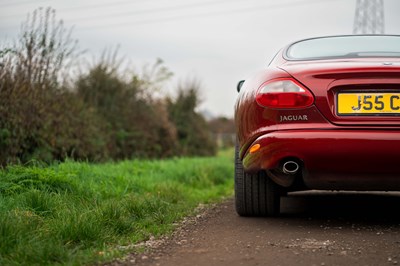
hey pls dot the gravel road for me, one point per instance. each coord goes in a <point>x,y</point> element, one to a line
<point>315,228</point>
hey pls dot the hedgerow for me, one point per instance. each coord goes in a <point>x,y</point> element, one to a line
<point>49,113</point>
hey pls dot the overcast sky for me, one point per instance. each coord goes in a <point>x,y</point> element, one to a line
<point>218,42</point>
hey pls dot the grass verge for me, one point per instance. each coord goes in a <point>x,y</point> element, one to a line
<point>79,213</point>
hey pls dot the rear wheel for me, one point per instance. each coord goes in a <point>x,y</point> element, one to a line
<point>255,194</point>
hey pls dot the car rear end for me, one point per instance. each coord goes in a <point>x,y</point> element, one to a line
<point>335,124</point>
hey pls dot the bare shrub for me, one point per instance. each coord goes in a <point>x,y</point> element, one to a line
<point>39,117</point>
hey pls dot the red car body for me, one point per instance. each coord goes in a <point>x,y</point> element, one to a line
<point>344,135</point>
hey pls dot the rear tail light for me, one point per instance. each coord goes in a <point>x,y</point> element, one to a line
<point>284,93</point>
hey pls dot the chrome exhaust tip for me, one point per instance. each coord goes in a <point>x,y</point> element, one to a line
<point>290,167</point>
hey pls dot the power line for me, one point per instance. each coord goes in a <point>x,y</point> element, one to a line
<point>144,11</point>
<point>188,16</point>
<point>156,10</point>
<point>201,15</point>
<point>100,5</point>
<point>118,3</point>
<point>92,6</point>
<point>22,3</point>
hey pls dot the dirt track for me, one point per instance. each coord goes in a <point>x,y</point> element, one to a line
<point>314,229</point>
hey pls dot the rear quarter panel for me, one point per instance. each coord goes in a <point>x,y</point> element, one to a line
<point>253,120</point>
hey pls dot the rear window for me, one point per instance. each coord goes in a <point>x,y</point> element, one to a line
<point>345,47</point>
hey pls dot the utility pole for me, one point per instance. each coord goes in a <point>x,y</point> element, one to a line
<point>369,17</point>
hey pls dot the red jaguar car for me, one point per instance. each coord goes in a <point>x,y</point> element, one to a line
<point>325,114</point>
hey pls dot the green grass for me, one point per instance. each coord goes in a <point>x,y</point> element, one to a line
<point>79,213</point>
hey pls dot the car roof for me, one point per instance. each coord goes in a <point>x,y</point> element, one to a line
<point>343,46</point>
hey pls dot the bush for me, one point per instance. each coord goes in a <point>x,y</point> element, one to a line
<point>193,133</point>
<point>102,114</point>
<point>40,118</point>
<point>138,125</point>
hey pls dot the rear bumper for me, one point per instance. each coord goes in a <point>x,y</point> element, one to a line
<point>334,159</point>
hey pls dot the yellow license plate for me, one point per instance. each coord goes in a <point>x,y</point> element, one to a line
<point>368,103</point>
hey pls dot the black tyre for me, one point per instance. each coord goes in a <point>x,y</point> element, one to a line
<point>255,194</point>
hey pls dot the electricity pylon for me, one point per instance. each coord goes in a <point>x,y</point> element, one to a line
<point>369,17</point>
